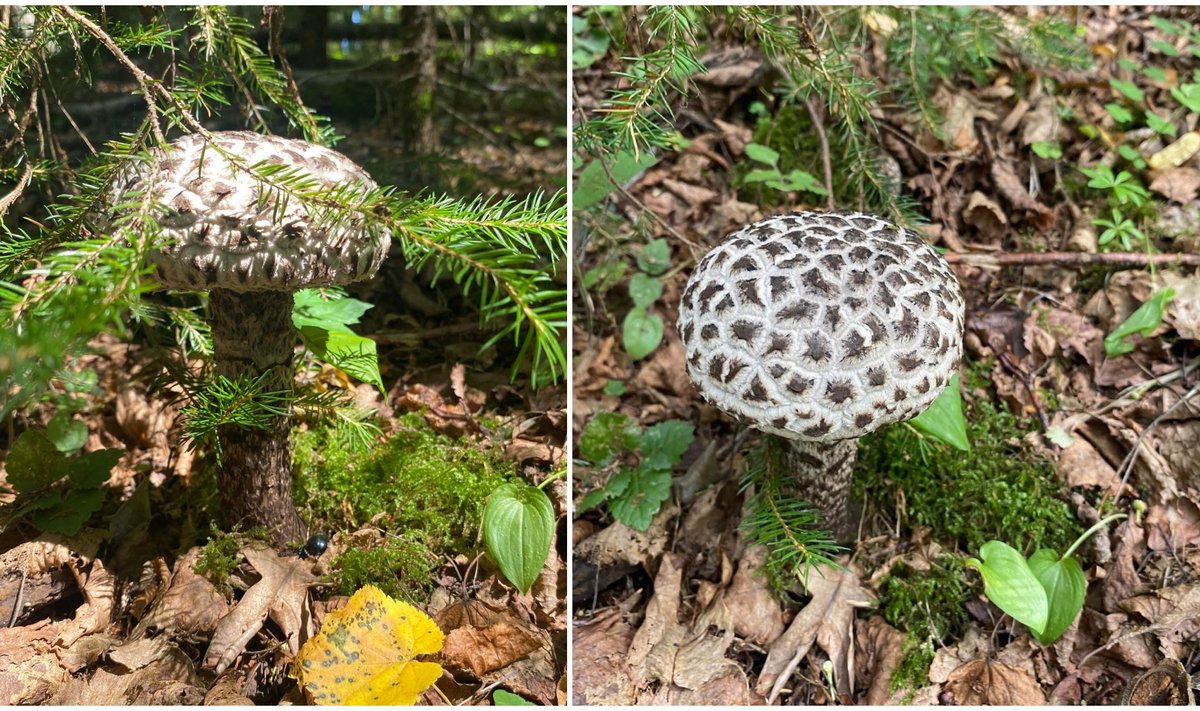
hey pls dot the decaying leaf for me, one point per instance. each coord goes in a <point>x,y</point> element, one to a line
<point>366,653</point>
<point>282,593</point>
<point>979,683</point>
<point>827,620</point>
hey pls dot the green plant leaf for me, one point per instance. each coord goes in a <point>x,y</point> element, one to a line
<point>518,529</point>
<point>803,181</point>
<point>664,443</point>
<point>1188,95</point>
<point>93,469</point>
<point>1119,113</point>
<point>1144,320</point>
<point>644,289</point>
<point>655,257</point>
<point>1065,587</point>
<point>68,514</point>
<point>592,499</point>
<point>944,419</point>
<point>1011,585</point>
<point>593,184</point>
<point>331,311</point>
<point>606,435</point>
<point>500,697</point>
<point>641,497</point>
<point>614,387</point>
<point>1129,89</point>
<point>34,463</point>
<point>1160,125</point>
<point>641,333</point>
<point>67,433</point>
<point>762,176</point>
<point>759,153</point>
<point>1047,149</point>
<point>346,350</point>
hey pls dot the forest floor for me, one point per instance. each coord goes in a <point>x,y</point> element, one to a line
<point>680,613</point>
<point>448,402</point>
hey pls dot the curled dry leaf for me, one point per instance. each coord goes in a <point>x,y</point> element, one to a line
<point>281,592</point>
<point>827,620</point>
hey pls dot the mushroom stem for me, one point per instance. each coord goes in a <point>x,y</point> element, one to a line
<point>823,471</point>
<point>252,335</point>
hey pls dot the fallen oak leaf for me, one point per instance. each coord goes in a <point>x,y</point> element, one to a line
<point>365,653</point>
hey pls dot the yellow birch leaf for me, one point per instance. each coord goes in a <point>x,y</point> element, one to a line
<point>365,653</point>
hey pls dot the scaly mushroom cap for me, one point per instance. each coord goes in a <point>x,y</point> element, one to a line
<point>224,227</point>
<point>822,326</point>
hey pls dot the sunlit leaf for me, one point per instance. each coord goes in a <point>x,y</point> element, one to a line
<point>944,420</point>
<point>518,529</point>
<point>366,653</point>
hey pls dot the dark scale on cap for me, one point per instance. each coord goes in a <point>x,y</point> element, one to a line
<point>838,391</point>
<point>746,330</point>
<point>818,347</point>
<point>780,343</point>
<point>756,392</point>
<point>708,332</point>
<point>781,286</point>
<point>745,264</point>
<point>749,291</point>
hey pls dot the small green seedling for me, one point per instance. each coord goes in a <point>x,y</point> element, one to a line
<point>58,493</point>
<point>944,420</point>
<point>642,331</point>
<point>1044,593</point>
<point>771,176</point>
<point>634,494</point>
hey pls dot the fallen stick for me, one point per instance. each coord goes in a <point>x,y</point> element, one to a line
<point>1072,259</point>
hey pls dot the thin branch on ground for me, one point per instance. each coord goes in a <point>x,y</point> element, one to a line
<point>1072,259</point>
<point>826,163</point>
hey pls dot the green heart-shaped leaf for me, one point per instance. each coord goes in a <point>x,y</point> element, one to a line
<point>1011,585</point>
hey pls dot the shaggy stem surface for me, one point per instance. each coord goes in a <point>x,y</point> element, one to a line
<point>823,471</point>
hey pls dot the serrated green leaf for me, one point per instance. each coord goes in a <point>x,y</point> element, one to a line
<point>1119,113</point>
<point>607,435</point>
<point>642,497</point>
<point>1160,125</point>
<point>1130,90</point>
<point>944,420</point>
<point>1065,586</point>
<point>67,433</point>
<point>592,185</point>
<point>34,463</point>
<point>518,529</point>
<point>68,514</point>
<point>664,443</point>
<point>641,333</point>
<point>644,289</point>
<point>1011,585</point>
<point>592,499</point>
<point>93,469</point>
<point>762,176</point>
<point>762,154</point>
<point>331,312</point>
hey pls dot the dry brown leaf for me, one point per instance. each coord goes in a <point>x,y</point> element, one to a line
<point>1081,465</point>
<point>880,649</point>
<point>1013,189</point>
<point>1178,184</point>
<point>1123,581</point>
<point>982,213</point>
<point>827,620</point>
<point>1041,124</point>
<point>1173,527</point>
<point>1183,311</point>
<point>191,603</point>
<point>601,674</point>
<point>759,617</point>
<point>281,592</point>
<point>30,672</point>
<point>494,646</point>
<point>979,683</point>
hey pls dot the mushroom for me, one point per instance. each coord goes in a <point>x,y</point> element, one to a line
<point>226,230</point>
<point>820,328</point>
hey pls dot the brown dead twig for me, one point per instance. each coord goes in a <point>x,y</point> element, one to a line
<point>1072,259</point>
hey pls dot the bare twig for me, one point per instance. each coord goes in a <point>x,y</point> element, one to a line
<point>1072,259</point>
<point>826,163</point>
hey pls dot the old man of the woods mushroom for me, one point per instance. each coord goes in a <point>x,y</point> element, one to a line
<point>226,230</point>
<point>820,328</point>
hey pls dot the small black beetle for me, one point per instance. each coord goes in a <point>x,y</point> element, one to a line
<point>316,545</point>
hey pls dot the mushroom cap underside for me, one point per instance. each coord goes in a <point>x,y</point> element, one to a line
<point>822,326</point>
<point>223,225</point>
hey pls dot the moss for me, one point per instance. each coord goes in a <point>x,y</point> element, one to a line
<point>399,568</point>
<point>221,555</point>
<point>929,605</point>
<point>998,491</point>
<point>427,489</point>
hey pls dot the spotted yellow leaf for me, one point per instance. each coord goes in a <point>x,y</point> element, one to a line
<point>365,653</point>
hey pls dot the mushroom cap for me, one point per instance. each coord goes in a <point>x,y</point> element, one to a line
<point>224,227</point>
<point>822,326</point>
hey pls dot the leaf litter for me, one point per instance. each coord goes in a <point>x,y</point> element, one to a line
<point>1117,428</point>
